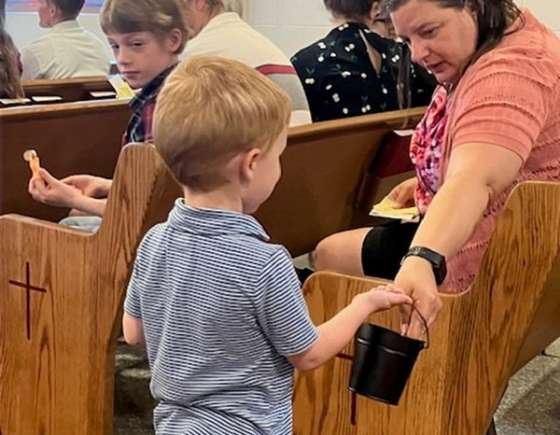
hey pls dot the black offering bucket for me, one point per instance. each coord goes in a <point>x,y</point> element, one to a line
<point>383,361</point>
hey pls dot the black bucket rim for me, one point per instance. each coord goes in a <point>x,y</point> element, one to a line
<point>370,334</point>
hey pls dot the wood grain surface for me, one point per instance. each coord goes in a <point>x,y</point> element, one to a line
<point>59,380</point>
<point>476,342</point>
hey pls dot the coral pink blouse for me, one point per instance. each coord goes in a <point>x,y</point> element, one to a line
<point>510,98</point>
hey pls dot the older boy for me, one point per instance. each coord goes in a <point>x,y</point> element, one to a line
<point>219,308</point>
<point>146,37</point>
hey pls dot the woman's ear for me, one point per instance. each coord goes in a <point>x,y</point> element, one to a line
<point>375,10</point>
<point>248,164</point>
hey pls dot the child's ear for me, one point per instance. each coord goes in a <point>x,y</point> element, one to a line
<point>174,40</point>
<point>249,162</point>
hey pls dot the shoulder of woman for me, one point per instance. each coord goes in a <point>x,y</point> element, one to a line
<point>525,54</point>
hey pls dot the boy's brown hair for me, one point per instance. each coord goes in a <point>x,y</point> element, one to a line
<point>155,16</point>
<point>210,110</point>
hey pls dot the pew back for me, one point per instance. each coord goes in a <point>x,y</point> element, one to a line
<point>475,344</point>
<point>64,290</point>
<point>70,138</point>
<point>73,89</point>
<point>62,294</point>
<point>323,168</point>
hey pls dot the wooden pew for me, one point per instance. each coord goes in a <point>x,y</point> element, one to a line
<point>74,89</point>
<point>70,138</point>
<point>62,293</point>
<point>314,202</point>
<point>480,338</point>
<point>57,344</point>
<point>322,172</point>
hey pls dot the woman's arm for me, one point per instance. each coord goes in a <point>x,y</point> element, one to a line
<point>477,172</point>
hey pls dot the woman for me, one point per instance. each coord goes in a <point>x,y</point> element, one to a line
<point>10,66</point>
<point>494,122</point>
<point>355,71</point>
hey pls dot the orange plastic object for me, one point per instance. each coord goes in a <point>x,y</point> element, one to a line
<point>34,162</point>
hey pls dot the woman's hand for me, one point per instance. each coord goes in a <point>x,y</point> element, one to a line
<point>51,191</point>
<point>416,279</point>
<point>403,194</point>
<point>89,185</point>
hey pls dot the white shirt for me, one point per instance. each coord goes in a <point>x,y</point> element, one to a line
<point>227,35</point>
<point>67,50</point>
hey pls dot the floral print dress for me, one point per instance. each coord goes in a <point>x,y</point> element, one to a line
<point>340,80</point>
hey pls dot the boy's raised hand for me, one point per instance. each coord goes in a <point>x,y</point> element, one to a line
<point>90,185</point>
<point>52,191</point>
<point>385,297</point>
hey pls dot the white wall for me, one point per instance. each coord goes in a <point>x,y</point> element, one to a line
<point>306,21</point>
<point>24,27</point>
<point>292,24</point>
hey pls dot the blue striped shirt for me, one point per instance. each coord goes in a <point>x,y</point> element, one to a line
<point>221,310</point>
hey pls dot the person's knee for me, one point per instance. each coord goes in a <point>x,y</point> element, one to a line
<point>341,252</point>
<point>327,254</point>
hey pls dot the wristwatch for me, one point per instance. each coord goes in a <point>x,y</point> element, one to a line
<point>436,260</point>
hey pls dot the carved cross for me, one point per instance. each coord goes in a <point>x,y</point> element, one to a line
<point>28,289</point>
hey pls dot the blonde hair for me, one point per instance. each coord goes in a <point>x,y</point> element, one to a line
<point>210,110</point>
<point>156,16</point>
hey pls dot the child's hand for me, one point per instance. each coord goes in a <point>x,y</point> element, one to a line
<point>51,191</point>
<point>384,297</point>
<point>89,185</point>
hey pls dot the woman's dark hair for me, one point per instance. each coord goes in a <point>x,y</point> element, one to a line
<point>351,9</point>
<point>10,84</point>
<point>493,18</point>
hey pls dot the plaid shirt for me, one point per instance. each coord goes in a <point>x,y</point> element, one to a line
<point>143,105</point>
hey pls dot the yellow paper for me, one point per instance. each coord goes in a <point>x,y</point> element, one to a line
<point>121,87</point>
<point>386,208</point>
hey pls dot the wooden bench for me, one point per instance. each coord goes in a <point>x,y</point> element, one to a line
<point>70,138</point>
<point>479,340</point>
<point>323,168</point>
<point>62,293</point>
<point>74,89</point>
<point>62,290</point>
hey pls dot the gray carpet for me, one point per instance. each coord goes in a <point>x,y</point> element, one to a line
<point>531,405</point>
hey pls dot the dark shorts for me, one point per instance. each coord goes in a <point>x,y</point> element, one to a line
<point>384,246</point>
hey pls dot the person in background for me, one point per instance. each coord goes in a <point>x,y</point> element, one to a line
<point>67,49</point>
<point>355,71</point>
<point>146,37</point>
<point>218,30</point>
<point>382,24</point>
<point>10,65</point>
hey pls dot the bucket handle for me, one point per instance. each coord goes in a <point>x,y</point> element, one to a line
<point>426,328</point>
